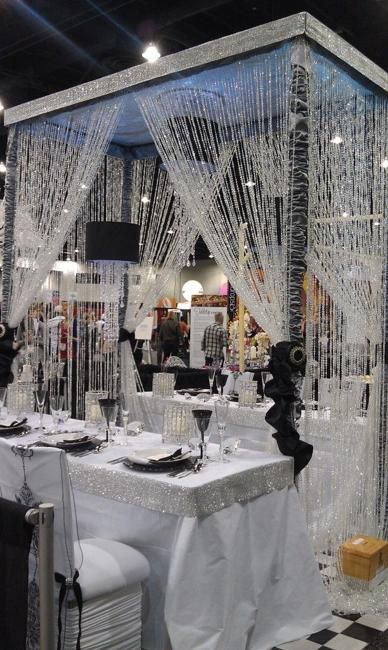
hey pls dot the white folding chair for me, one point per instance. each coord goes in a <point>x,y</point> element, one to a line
<point>108,573</point>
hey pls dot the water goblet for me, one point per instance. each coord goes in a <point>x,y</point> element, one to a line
<point>40,392</point>
<point>201,421</point>
<point>56,407</point>
<point>108,406</point>
<point>3,395</point>
<point>222,410</point>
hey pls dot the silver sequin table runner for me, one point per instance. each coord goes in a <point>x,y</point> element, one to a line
<point>248,475</point>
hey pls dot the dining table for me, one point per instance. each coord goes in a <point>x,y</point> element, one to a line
<point>231,562</point>
<point>246,425</point>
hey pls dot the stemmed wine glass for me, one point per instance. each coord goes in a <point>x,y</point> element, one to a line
<point>56,408</point>
<point>3,395</point>
<point>66,406</point>
<point>202,421</point>
<point>108,406</point>
<point>222,410</point>
<point>211,371</point>
<point>125,411</point>
<point>40,392</point>
<point>220,383</point>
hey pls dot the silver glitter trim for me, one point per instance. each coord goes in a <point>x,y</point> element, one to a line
<point>333,43</point>
<point>234,45</point>
<point>176,498</point>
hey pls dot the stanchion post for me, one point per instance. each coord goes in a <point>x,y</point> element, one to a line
<point>46,576</point>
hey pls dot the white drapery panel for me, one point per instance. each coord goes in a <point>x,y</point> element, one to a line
<point>56,163</point>
<point>226,151</point>
<point>344,488</point>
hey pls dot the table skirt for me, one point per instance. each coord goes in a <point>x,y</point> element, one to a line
<point>243,578</point>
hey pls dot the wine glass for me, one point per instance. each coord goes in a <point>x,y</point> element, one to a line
<point>3,395</point>
<point>125,411</point>
<point>56,408</point>
<point>222,410</point>
<point>108,406</point>
<point>201,422</point>
<point>220,383</point>
<point>40,392</point>
<point>66,406</point>
<point>211,371</point>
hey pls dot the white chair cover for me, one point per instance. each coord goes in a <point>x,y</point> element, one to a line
<point>40,475</point>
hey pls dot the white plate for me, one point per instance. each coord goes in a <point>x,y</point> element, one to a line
<point>144,456</point>
<point>67,439</point>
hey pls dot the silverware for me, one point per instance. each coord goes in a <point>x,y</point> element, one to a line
<point>115,461</point>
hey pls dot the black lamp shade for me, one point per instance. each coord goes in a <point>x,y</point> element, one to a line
<point>112,241</point>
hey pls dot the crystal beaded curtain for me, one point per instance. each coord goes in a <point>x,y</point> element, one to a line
<point>56,163</point>
<point>345,486</point>
<point>97,290</point>
<point>167,237</point>
<point>225,147</point>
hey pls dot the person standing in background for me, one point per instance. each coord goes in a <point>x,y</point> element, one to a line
<point>169,336</point>
<point>215,340</point>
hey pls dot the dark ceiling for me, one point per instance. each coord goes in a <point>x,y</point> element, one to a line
<point>50,45</point>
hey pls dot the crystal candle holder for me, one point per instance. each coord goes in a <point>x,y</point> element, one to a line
<point>93,415</point>
<point>247,393</point>
<point>176,425</point>
<point>163,384</point>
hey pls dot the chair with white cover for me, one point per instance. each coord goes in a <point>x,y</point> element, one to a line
<point>108,573</point>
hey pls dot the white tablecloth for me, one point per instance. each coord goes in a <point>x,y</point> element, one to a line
<point>246,424</point>
<point>241,577</point>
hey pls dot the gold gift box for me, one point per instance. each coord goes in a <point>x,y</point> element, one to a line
<point>365,558</point>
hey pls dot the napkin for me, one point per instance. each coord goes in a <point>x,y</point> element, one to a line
<point>159,458</point>
<point>74,440</point>
<point>8,423</point>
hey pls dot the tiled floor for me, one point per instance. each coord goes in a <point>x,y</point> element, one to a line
<point>347,633</point>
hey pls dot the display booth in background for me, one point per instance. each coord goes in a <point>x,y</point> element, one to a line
<point>203,310</point>
<point>282,132</point>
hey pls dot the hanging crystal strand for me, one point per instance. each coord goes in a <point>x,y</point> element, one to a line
<point>344,488</point>
<point>224,159</point>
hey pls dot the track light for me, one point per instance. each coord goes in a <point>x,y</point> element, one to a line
<point>151,53</point>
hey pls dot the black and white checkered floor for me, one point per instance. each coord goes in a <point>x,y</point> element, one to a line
<point>348,633</point>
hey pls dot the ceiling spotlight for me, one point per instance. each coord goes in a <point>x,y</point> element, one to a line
<point>376,223</point>
<point>83,186</point>
<point>170,232</point>
<point>76,250</point>
<point>211,256</point>
<point>250,184</point>
<point>336,139</point>
<point>65,210</point>
<point>1,106</point>
<point>68,258</point>
<point>345,214</point>
<point>3,168</point>
<point>145,199</point>
<point>384,164</point>
<point>151,53</point>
